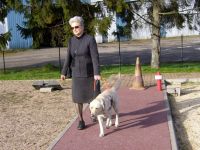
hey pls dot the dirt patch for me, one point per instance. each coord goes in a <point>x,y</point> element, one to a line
<point>186,114</point>
<point>31,119</point>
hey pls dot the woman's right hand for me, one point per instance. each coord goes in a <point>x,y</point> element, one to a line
<point>62,77</point>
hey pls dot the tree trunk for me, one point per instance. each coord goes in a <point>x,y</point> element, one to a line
<point>155,55</point>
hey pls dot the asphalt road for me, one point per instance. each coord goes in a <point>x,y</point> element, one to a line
<point>172,50</point>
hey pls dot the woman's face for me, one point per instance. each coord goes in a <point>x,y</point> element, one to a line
<point>77,29</point>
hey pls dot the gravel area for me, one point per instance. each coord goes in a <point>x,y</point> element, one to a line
<point>31,119</point>
<point>186,114</point>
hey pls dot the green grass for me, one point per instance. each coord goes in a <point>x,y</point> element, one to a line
<point>51,72</point>
<point>164,68</point>
<point>46,72</point>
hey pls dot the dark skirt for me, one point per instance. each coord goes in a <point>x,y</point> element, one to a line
<point>82,89</point>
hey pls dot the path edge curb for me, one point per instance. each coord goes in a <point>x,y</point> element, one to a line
<point>173,138</point>
<point>61,134</point>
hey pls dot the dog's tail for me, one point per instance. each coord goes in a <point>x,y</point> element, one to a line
<point>117,83</point>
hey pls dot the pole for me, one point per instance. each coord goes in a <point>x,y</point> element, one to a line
<point>4,64</point>
<point>59,59</point>
<point>158,78</point>
<point>182,48</point>
<point>119,53</point>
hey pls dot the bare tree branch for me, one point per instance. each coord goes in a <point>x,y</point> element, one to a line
<point>174,12</point>
<point>149,22</point>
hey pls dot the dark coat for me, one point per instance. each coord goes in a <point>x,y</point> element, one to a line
<point>82,57</point>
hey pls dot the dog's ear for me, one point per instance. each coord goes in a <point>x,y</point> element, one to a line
<point>107,85</point>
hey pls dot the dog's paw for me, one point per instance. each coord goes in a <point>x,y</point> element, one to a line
<point>101,135</point>
<point>108,123</point>
<point>116,125</point>
<point>108,126</point>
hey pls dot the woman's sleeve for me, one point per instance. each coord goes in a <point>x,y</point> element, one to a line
<point>67,62</point>
<point>95,56</point>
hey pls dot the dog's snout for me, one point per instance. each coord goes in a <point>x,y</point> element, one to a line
<point>92,116</point>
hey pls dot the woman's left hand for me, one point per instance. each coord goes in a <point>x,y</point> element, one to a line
<point>97,77</point>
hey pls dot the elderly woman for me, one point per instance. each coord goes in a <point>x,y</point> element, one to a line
<point>83,61</point>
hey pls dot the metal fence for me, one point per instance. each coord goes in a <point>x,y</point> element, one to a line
<point>178,49</point>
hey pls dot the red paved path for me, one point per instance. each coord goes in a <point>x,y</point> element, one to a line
<point>143,126</point>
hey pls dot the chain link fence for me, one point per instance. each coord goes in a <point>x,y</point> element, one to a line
<point>175,49</point>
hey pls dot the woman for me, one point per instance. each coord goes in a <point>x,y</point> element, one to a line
<point>83,60</point>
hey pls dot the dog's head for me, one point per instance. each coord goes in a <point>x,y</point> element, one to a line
<point>96,107</point>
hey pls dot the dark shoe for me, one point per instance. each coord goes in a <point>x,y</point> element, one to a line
<point>81,125</point>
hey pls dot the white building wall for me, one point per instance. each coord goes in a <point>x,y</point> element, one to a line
<point>99,38</point>
<point>141,33</point>
<point>93,2</point>
<point>86,1</point>
<point>4,28</point>
<point>178,32</point>
<point>112,29</point>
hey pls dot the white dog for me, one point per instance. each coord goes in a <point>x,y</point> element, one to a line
<point>101,107</point>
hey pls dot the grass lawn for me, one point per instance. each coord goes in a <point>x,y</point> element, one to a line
<point>52,72</point>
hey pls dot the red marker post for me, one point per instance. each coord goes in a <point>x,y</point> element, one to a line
<point>158,78</point>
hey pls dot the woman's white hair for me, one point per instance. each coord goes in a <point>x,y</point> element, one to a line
<point>76,19</point>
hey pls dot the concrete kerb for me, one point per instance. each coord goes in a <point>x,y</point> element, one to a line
<point>173,138</point>
<point>183,80</point>
<point>56,140</point>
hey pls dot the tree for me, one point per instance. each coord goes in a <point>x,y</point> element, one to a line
<point>157,20</point>
<point>159,13</point>
<point>167,15</point>
<point>47,20</point>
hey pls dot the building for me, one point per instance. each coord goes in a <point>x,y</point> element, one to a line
<point>17,41</point>
<point>13,18</point>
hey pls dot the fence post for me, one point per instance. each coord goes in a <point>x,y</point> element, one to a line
<point>4,64</point>
<point>59,59</point>
<point>182,48</point>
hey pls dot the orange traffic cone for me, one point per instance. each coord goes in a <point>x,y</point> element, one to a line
<point>138,83</point>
